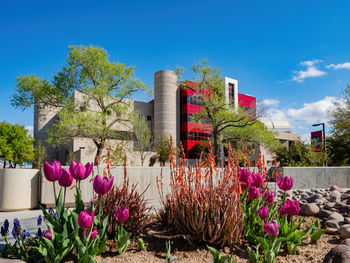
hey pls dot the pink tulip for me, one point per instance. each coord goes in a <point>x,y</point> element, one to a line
<point>72,168</point>
<point>81,172</point>
<point>271,228</point>
<point>52,171</point>
<point>292,208</point>
<point>122,214</point>
<point>47,234</point>
<point>253,192</point>
<point>93,233</point>
<point>283,209</point>
<point>285,183</point>
<point>257,179</point>
<point>86,218</point>
<point>102,185</point>
<point>245,178</point>
<point>270,196</point>
<point>263,212</point>
<point>66,179</point>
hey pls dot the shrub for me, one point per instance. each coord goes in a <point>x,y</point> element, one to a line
<point>128,196</point>
<point>204,203</point>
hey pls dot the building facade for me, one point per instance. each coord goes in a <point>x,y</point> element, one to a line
<point>171,113</point>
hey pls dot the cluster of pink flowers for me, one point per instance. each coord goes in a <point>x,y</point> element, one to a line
<point>252,181</point>
<point>290,208</point>
<point>77,171</point>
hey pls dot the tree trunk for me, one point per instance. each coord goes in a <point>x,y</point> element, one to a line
<point>142,160</point>
<point>4,164</point>
<point>100,148</point>
<point>215,151</point>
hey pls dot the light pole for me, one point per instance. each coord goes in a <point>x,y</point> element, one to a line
<point>324,138</point>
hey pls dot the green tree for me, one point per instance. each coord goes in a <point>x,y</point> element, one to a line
<point>91,92</point>
<point>163,150</point>
<point>227,123</point>
<point>339,141</point>
<point>16,146</point>
<point>142,137</point>
<point>39,155</point>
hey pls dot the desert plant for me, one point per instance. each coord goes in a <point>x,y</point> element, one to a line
<point>203,204</point>
<point>128,196</point>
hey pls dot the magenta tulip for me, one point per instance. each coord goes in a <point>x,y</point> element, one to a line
<point>245,178</point>
<point>292,208</point>
<point>271,228</point>
<point>253,192</point>
<point>47,234</point>
<point>257,179</point>
<point>122,214</point>
<point>285,183</point>
<point>270,196</point>
<point>86,218</point>
<point>52,171</point>
<point>283,209</point>
<point>72,168</point>
<point>93,233</point>
<point>263,212</point>
<point>66,179</point>
<point>81,172</point>
<point>102,185</point>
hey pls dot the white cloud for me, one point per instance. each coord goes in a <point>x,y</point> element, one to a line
<point>270,102</point>
<point>345,65</point>
<point>30,130</point>
<point>310,72</point>
<point>310,63</point>
<point>313,112</point>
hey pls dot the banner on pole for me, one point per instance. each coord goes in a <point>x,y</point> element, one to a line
<point>316,141</point>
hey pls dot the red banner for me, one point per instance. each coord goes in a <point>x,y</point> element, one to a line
<point>316,141</point>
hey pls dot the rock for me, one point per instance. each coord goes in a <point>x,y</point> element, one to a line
<point>344,209</point>
<point>329,205</point>
<point>336,216</point>
<point>334,187</point>
<point>309,209</point>
<point>347,220</point>
<point>331,231</point>
<point>346,242</point>
<point>339,254</point>
<point>339,204</point>
<point>335,196</point>
<point>348,202</point>
<point>344,231</point>
<point>173,258</point>
<point>324,213</point>
<point>313,198</point>
<point>333,223</point>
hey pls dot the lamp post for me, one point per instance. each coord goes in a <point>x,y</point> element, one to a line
<point>324,138</point>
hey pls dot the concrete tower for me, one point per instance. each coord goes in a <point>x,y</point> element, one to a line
<point>166,106</point>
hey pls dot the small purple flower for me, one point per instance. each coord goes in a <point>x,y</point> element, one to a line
<point>5,228</point>
<point>39,220</point>
<point>263,212</point>
<point>6,224</point>
<point>3,232</point>
<point>25,234</point>
<point>16,231</point>
<point>40,232</point>
<point>271,228</point>
<point>253,192</point>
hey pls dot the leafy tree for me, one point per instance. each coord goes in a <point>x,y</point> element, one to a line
<point>91,93</point>
<point>16,146</point>
<point>39,155</point>
<point>142,137</point>
<point>301,154</point>
<point>163,150</point>
<point>339,141</point>
<point>227,123</point>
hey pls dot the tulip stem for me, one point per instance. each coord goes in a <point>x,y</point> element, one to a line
<point>54,191</point>
<point>64,197</point>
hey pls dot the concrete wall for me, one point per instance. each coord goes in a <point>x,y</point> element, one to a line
<point>318,177</point>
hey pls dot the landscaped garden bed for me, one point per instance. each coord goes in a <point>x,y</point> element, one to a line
<point>208,216</point>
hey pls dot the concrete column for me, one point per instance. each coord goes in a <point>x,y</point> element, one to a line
<point>166,105</point>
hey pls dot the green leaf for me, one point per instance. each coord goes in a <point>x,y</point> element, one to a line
<point>123,242</point>
<point>59,204</point>
<point>317,235</point>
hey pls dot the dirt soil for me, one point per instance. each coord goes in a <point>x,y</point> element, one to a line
<point>185,252</point>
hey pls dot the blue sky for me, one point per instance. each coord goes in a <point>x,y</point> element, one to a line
<point>291,54</point>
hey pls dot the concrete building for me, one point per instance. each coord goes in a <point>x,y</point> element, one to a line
<point>170,113</point>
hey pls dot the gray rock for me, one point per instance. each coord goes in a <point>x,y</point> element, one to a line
<point>331,231</point>
<point>345,209</point>
<point>329,205</point>
<point>173,258</point>
<point>339,254</point>
<point>324,213</point>
<point>344,231</point>
<point>337,205</point>
<point>346,242</point>
<point>333,223</point>
<point>336,216</point>
<point>334,187</point>
<point>347,220</point>
<point>313,198</point>
<point>335,196</point>
<point>309,209</point>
